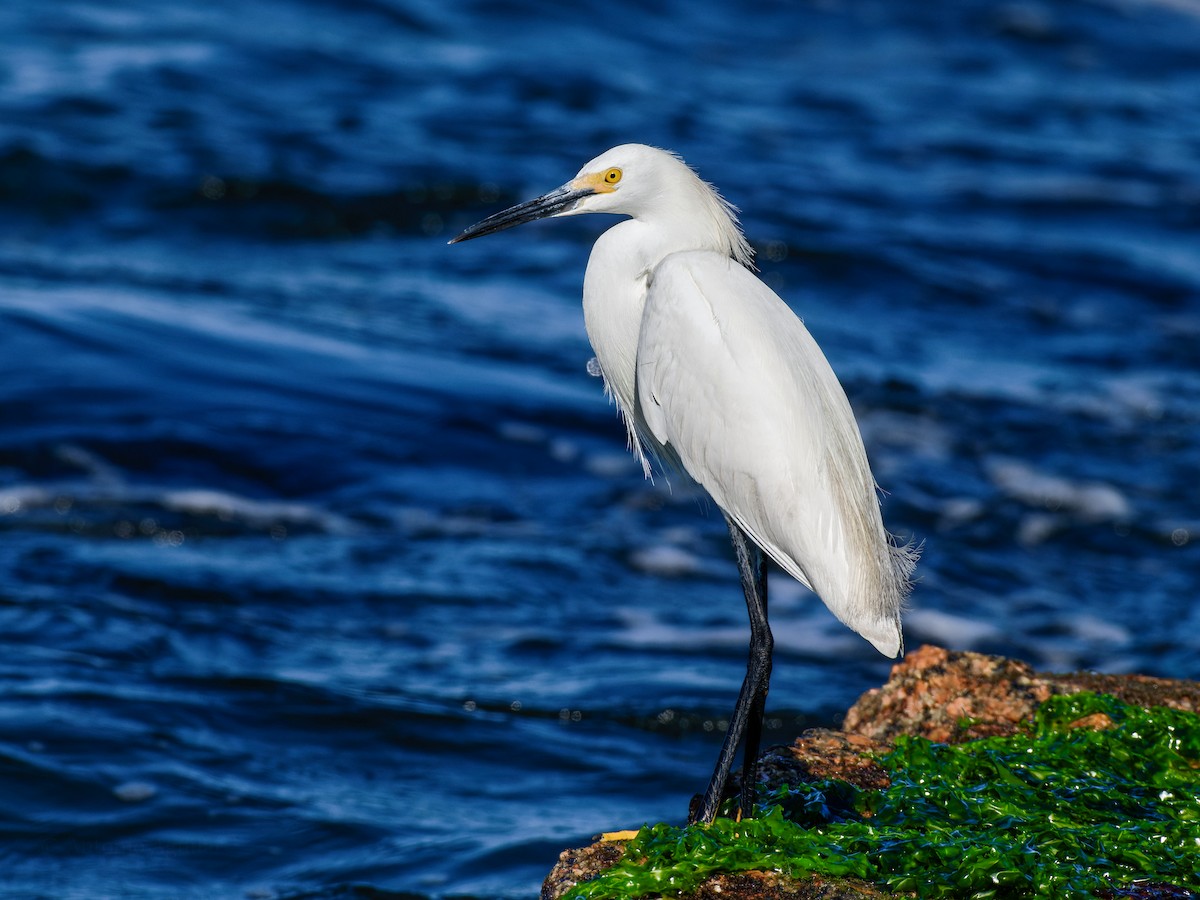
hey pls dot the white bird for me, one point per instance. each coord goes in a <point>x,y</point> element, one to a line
<point>713,373</point>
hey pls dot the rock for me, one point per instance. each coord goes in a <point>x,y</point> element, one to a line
<point>953,697</point>
<point>574,866</point>
<point>942,695</point>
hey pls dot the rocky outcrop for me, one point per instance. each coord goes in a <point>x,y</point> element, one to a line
<point>945,696</point>
<point>954,697</point>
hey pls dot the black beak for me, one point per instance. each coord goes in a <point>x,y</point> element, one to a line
<point>547,205</point>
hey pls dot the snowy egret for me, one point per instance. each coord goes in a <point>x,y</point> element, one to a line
<point>714,374</point>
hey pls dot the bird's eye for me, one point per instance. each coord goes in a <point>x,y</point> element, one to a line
<point>612,176</point>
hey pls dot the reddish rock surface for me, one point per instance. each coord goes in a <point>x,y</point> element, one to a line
<point>953,697</point>
<point>939,694</point>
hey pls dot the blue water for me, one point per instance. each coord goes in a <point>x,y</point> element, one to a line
<point>323,569</point>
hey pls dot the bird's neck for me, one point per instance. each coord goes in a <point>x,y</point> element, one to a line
<point>614,295</point>
<point>619,273</point>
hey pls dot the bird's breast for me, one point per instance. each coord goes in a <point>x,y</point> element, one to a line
<point>614,297</point>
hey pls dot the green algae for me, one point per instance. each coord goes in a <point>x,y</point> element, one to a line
<point>1055,811</point>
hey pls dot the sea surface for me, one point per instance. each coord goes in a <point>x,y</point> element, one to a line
<point>324,570</point>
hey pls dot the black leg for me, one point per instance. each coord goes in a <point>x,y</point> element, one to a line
<point>747,719</point>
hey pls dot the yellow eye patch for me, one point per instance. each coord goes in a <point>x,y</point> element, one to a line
<point>598,182</point>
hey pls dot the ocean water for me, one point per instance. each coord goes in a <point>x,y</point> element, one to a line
<point>324,571</point>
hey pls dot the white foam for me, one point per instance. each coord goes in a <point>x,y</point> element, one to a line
<point>204,501</point>
<point>1099,631</point>
<point>134,791</point>
<point>959,510</point>
<point>1037,527</point>
<point>667,561</point>
<point>23,496</point>
<point>1094,501</point>
<point>609,465</point>
<point>946,629</point>
<point>521,432</point>
<point>563,450</point>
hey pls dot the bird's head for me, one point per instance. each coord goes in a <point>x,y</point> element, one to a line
<point>633,180</point>
<point>609,183</point>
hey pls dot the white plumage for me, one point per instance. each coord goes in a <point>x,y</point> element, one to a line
<point>713,372</point>
<point>710,367</point>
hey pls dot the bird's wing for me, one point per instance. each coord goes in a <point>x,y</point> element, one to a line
<point>732,382</point>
